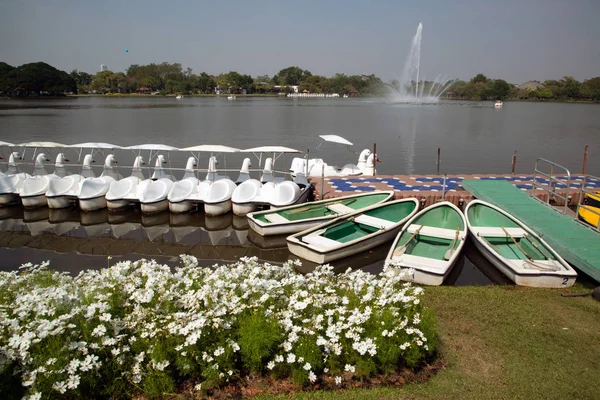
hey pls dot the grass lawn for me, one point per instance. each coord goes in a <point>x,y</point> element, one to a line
<point>505,342</point>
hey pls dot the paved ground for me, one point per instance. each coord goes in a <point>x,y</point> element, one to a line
<point>430,188</point>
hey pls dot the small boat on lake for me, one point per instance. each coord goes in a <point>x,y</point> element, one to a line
<point>498,104</point>
<point>296,218</point>
<point>430,243</point>
<point>353,233</point>
<point>589,211</point>
<point>515,249</point>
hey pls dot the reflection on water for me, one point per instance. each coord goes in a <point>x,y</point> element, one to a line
<point>75,241</point>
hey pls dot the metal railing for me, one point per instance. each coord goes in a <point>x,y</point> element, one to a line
<point>589,201</point>
<point>553,181</point>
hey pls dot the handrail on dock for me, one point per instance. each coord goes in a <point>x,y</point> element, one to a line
<point>582,202</point>
<point>553,179</point>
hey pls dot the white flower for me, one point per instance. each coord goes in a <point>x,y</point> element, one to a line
<point>349,368</point>
<point>338,380</point>
<point>60,387</point>
<point>291,358</point>
<point>300,305</point>
<point>219,351</point>
<point>105,317</point>
<point>73,382</point>
<point>271,365</point>
<point>160,366</point>
<point>307,366</point>
<point>312,377</point>
<point>100,330</point>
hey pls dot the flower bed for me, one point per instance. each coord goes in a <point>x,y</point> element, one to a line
<point>138,327</point>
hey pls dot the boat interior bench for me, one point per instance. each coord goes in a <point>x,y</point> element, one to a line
<point>320,241</point>
<point>374,222</point>
<point>493,231</point>
<point>410,261</point>
<point>276,218</point>
<point>340,208</point>
<point>433,231</point>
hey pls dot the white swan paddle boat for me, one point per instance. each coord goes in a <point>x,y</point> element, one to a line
<point>153,192</point>
<point>316,167</point>
<point>214,192</point>
<point>269,191</point>
<point>125,192</point>
<point>11,182</point>
<point>92,195</point>
<point>184,194</point>
<point>62,192</point>
<point>217,199</point>
<point>33,193</point>
<point>353,233</point>
<point>430,243</point>
<point>515,249</point>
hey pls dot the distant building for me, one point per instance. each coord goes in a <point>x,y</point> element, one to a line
<point>103,68</point>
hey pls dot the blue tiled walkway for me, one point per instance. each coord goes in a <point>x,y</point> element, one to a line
<point>435,184</point>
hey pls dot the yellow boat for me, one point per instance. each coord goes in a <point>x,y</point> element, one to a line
<point>589,211</point>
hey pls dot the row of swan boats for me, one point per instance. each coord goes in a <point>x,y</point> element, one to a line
<point>216,193</point>
<point>427,242</point>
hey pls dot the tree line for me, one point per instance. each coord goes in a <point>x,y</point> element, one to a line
<point>481,87</point>
<point>165,78</point>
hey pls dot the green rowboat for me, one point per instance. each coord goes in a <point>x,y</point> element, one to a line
<point>515,249</point>
<point>296,218</point>
<point>430,243</point>
<point>353,233</point>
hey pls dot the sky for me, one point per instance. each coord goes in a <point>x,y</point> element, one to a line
<point>515,40</point>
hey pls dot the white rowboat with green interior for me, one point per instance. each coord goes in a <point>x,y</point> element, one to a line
<point>353,233</point>
<point>296,218</point>
<point>430,243</point>
<point>515,249</point>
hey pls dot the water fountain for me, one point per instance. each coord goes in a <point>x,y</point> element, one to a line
<point>408,88</point>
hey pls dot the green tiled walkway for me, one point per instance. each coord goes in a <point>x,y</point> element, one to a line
<point>577,244</point>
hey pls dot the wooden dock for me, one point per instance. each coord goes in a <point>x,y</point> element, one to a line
<point>576,243</point>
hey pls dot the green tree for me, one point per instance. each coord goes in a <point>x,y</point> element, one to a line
<point>479,78</point>
<point>101,81</point>
<point>204,83</point>
<point>83,80</point>
<point>500,89</point>
<point>292,76</point>
<point>5,69</point>
<point>590,89</point>
<point>39,77</point>
<point>571,87</point>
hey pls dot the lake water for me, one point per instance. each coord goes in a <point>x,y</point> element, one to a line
<point>474,137</point>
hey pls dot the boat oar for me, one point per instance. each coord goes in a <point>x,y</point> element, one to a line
<point>536,246</point>
<point>398,251</point>
<point>595,294</point>
<point>313,206</point>
<point>515,242</point>
<point>529,259</point>
<point>450,251</point>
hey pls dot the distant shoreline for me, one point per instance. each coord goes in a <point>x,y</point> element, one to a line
<point>270,95</point>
